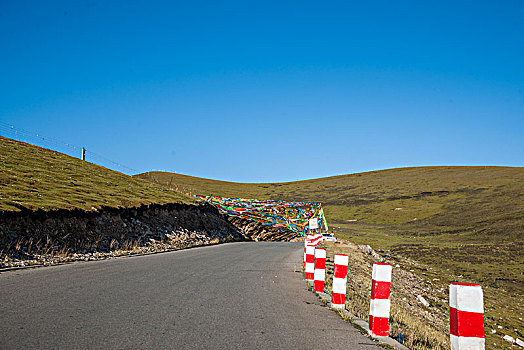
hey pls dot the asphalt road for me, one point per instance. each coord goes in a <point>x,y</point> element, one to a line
<point>230,296</point>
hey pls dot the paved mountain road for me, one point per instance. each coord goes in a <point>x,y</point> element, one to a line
<point>229,296</point>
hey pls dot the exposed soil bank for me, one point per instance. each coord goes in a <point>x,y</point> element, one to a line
<point>46,237</point>
<point>259,232</point>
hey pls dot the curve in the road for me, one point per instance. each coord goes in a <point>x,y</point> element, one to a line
<point>230,296</point>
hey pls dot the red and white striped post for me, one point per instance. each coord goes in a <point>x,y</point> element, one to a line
<point>310,263</point>
<point>311,240</point>
<point>314,239</point>
<point>338,298</point>
<point>305,246</point>
<point>466,316</point>
<point>320,270</point>
<point>380,304</point>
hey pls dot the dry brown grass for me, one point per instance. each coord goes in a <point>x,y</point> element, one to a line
<point>423,328</point>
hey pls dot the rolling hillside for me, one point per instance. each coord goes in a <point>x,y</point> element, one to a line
<point>446,197</point>
<point>37,178</point>
<point>459,223</point>
<point>468,218</point>
<point>445,224</point>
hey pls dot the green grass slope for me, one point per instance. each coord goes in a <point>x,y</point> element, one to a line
<point>38,178</point>
<point>467,218</point>
<point>389,197</point>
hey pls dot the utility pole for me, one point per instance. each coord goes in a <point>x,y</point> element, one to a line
<point>83,153</point>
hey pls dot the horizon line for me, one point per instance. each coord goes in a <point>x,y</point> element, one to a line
<point>337,175</point>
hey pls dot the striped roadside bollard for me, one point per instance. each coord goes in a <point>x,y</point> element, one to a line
<point>308,242</point>
<point>466,316</point>
<point>305,246</point>
<point>380,304</point>
<point>320,270</point>
<point>340,273</point>
<point>310,263</point>
<point>314,240</point>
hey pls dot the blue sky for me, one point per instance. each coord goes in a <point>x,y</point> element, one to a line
<point>269,91</point>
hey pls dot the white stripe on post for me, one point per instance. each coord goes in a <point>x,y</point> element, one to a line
<point>338,297</point>
<point>466,316</point>
<point>320,270</point>
<point>380,305</point>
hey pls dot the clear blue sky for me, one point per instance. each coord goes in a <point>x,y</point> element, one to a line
<point>269,90</point>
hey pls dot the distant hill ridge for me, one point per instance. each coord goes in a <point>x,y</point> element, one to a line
<point>392,196</point>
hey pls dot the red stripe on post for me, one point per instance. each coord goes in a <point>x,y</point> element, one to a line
<point>380,290</point>
<point>341,271</point>
<point>465,284</point>
<point>379,325</point>
<point>453,324</point>
<point>338,298</point>
<point>319,286</point>
<point>320,263</point>
<point>466,324</point>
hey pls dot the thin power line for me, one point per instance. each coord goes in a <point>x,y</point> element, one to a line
<point>10,131</point>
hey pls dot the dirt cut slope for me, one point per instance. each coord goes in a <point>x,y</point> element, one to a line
<point>42,237</point>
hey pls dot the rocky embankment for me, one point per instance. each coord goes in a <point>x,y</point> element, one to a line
<point>50,237</point>
<point>259,232</point>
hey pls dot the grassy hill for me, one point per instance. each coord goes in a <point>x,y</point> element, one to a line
<point>445,224</point>
<point>446,197</point>
<point>460,223</point>
<point>37,178</point>
<point>469,219</point>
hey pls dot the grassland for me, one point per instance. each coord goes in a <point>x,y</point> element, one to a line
<point>37,178</point>
<point>446,223</point>
<point>470,217</point>
<point>457,223</point>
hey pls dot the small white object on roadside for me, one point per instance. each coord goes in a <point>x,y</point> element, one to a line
<point>519,342</point>
<point>509,339</point>
<point>422,300</point>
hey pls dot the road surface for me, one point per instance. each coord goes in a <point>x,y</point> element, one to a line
<point>229,296</point>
